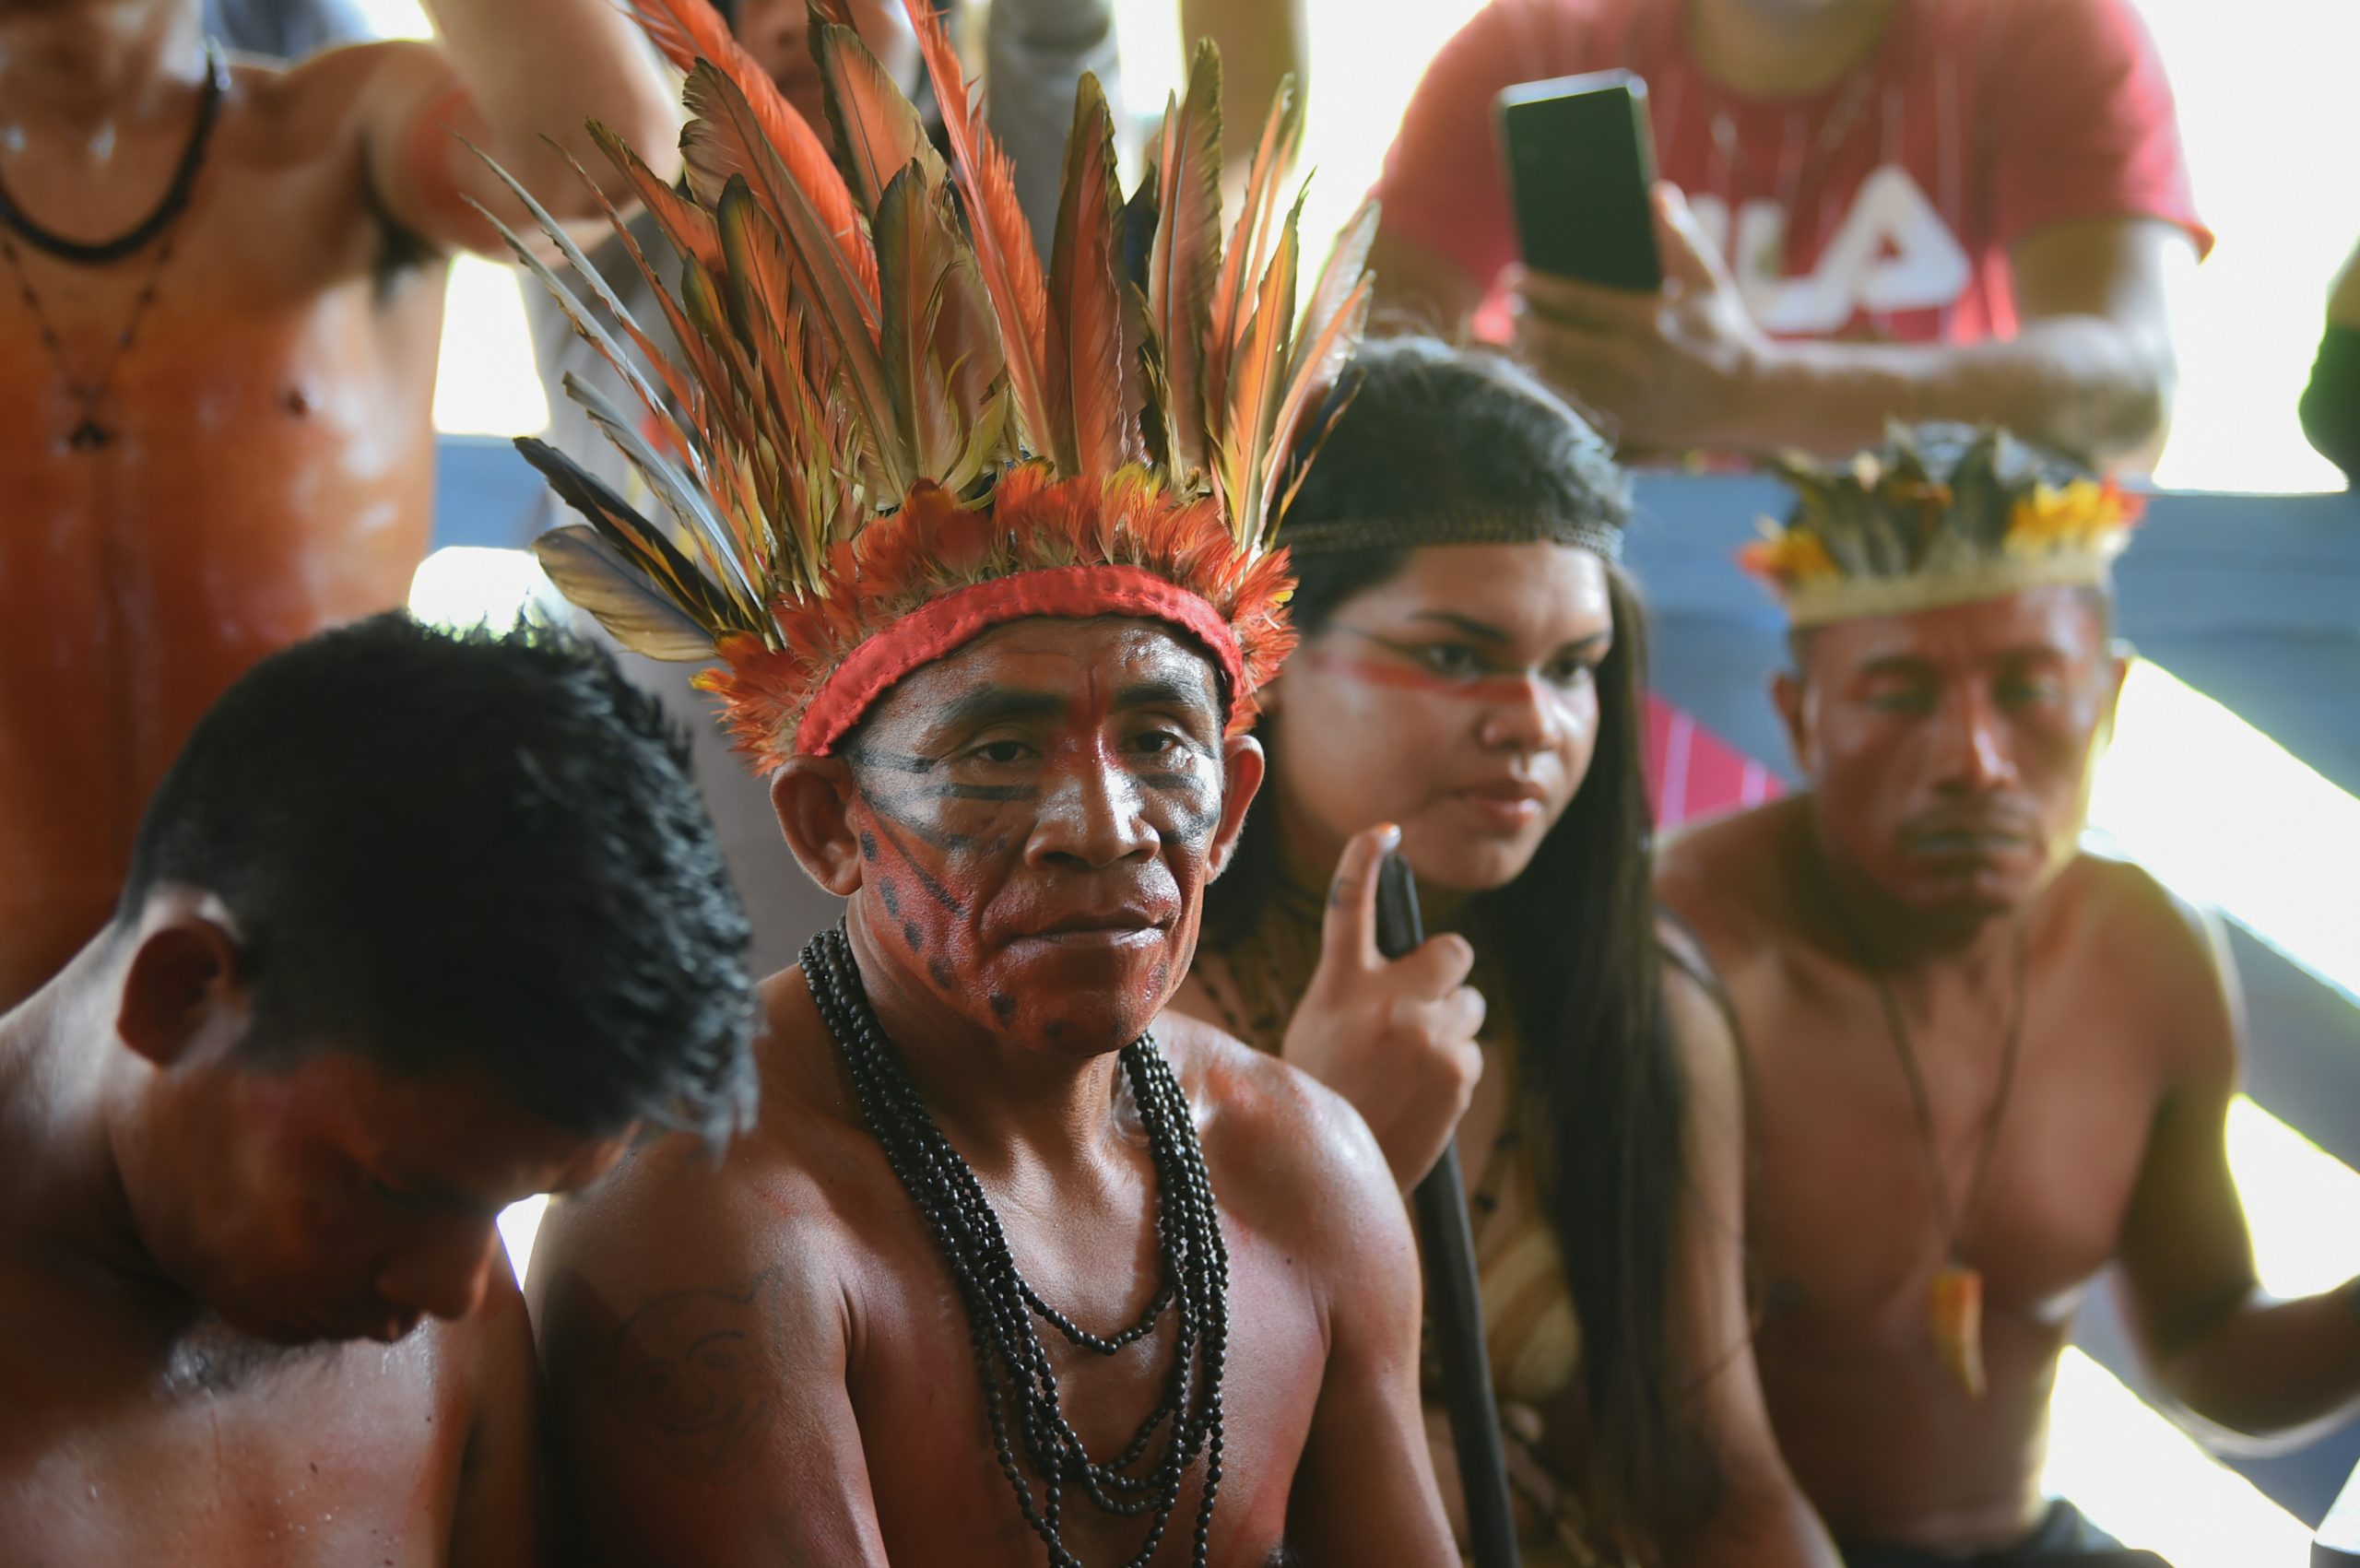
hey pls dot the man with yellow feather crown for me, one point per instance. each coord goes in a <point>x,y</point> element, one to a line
<point>1984,1064</point>
<point>1013,1267</point>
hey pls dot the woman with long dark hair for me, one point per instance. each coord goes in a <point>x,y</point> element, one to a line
<point>1469,687</point>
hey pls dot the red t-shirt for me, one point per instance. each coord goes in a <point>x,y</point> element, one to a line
<point>1881,207</point>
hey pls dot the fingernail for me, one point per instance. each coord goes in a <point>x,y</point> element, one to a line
<point>1389,834</point>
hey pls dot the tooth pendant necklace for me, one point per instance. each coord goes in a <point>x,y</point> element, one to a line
<point>1955,1301</point>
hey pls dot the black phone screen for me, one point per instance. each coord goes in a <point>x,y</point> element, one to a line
<point>1579,162</point>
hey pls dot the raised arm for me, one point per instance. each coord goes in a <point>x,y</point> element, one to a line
<point>694,1353</point>
<point>2255,1367</point>
<point>505,75</point>
<point>1364,1489</point>
<point>1759,1517</point>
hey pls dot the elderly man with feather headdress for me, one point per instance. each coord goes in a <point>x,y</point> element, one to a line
<point>1985,1064</point>
<point>1013,1267</point>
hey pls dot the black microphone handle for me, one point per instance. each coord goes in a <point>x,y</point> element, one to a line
<point>1455,1309</point>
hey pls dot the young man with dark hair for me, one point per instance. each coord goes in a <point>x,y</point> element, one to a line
<point>417,926</point>
<point>1984,1064</point>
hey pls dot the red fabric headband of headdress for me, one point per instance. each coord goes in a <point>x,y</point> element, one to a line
<point>941,626</point>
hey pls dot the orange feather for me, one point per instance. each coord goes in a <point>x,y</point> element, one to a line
<point>1004,255</point>
<point>877,133</point>
<point>688,31</point>
<point>1183,265</point>
<point>1091,430</point>
<point>848,314</point>
<point>1249,242</point>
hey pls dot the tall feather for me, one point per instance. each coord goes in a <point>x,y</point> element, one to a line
<point>1257,374</point>
<point>1183,262</point>
<point>685,225</point>
<point>848,314</point>
<point>633,536</point>
<point>1005,257</point>
<point>936,324</point>
<point>1249,242</point>
<point>1332,325</point>
<point>602,580</point>
<point>720,545</point>
<point>1093,415</point>
<point>688,31</point>
<point>877,131</point>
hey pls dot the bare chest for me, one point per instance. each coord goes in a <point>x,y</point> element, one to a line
<point>936,1468</point>
<point>225,1453</point>
<point>264,317</point>
<point>1860,1189</point>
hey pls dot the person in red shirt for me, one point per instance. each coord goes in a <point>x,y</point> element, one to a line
<point>1870,208</point>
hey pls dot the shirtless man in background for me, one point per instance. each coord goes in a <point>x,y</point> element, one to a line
<point>1984,1065</point>
<point>220,302</point>
<point>371,979</point>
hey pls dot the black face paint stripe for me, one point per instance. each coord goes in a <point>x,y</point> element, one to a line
<point>940,893</point>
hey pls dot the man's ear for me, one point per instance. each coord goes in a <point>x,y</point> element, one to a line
<point>1787,695</point>
<point>185,978</point>
<point>813,797</point>
<point>1243,767</point>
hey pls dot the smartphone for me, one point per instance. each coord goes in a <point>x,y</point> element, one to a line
<point>1580,160</point>
<point>1400,927</point>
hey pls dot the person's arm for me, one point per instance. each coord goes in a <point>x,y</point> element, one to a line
<point>695,1357</point>
<point>505,75</point>
<point>2089,368</point>
<point>495,1523</point>
<point>2211,1340</point>
<point>1364,1489</point>
<point>1759,1517</point>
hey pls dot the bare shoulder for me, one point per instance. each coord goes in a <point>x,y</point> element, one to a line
<point>2166,957</point>
<point>326,95</point>
<point>1725,879</point>
<point>1270,1129</point>
<point>768,1224</point>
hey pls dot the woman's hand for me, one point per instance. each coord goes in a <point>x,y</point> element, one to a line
<point>1396,1038</point>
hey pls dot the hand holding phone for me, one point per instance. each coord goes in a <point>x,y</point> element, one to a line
<point>1580,164</point>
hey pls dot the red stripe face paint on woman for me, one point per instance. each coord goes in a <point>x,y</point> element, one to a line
<point>1037,815</point>
<point>1457,698</point>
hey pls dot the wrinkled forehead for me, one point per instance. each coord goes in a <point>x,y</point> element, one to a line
<point>1051,670</point>
<point>2054,622</point>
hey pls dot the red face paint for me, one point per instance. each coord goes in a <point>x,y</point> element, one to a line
<point>1039,812</point>
<point>1456,697</point>
<point>1398,674</point>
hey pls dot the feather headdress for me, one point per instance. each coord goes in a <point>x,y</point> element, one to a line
<point>1940,514</point>
<point>884,429</point>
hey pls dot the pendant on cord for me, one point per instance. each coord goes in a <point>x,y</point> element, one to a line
<point>1957,1302</point>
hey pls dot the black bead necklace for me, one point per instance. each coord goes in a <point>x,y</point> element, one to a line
<point>91,432</point>
<point>140,235</point>
<point>1001,1305</point>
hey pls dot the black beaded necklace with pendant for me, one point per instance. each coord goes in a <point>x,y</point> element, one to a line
<point>90,433</point>
<point>1001,1305</point>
